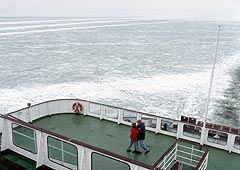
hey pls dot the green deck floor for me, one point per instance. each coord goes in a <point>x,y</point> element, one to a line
<point>115,138</point>
<point>105,134</point>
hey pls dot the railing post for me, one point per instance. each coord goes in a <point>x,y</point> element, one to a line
<point>191,154</point>
<point>158,126</point>
<point>30,117</point>
<point>176,149</point>
<point>203,134</point>
<point>206,162</point>
<point>179,129</point>
<point>164,162</point>
<point>139,116</point>
<point>48,109</point>
<point>86,110</point>
<point>230,142</point>
<point>102,112</point>
<point>80,158</point>
<point>42,152</point>
<point>6,135</point>
<point>120,116</point>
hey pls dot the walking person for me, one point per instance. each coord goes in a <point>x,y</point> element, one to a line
<point>141,136</point>
<point>133,139</point>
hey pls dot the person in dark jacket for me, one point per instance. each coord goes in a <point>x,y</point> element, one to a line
<point>134,140</point>
<point>141,136</point>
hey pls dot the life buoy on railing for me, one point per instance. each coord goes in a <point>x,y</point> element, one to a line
<point>77,107</point>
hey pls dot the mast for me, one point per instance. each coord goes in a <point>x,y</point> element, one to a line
<point>211,79</point>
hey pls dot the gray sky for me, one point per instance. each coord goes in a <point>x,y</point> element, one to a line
<point>222,9</point>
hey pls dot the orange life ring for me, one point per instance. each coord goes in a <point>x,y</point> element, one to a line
<point>77,107</point>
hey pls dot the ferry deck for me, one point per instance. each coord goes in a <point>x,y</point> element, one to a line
<point>59,134</point>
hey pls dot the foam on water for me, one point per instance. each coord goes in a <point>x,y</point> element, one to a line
<point>76,28</point>
<point>46,20</point>
<point>170,88</point>
<point>61,24</point>
<point>150,66</point>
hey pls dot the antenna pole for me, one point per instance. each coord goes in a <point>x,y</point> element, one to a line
<point>211,80</point>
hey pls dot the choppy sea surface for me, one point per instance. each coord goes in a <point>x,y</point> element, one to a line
<point>157,66</point>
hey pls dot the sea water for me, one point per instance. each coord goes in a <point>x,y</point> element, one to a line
<point>162,67</point>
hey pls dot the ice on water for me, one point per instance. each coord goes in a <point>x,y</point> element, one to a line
<point>157,66</point>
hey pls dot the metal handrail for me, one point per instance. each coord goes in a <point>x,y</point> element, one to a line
<point>167,158</point>
<point>69,140</point>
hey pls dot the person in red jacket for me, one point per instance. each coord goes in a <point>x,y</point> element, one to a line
<point>134,140</point>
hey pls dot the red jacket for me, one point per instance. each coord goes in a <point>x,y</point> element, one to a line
<point>134,133</point>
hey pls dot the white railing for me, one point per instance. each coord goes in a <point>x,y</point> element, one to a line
<point>153,123</point>
<point>203,165</point>
<point>169,160</point>
<point>187,155</point>
<point>43,156</point>
<point>115,114</point>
